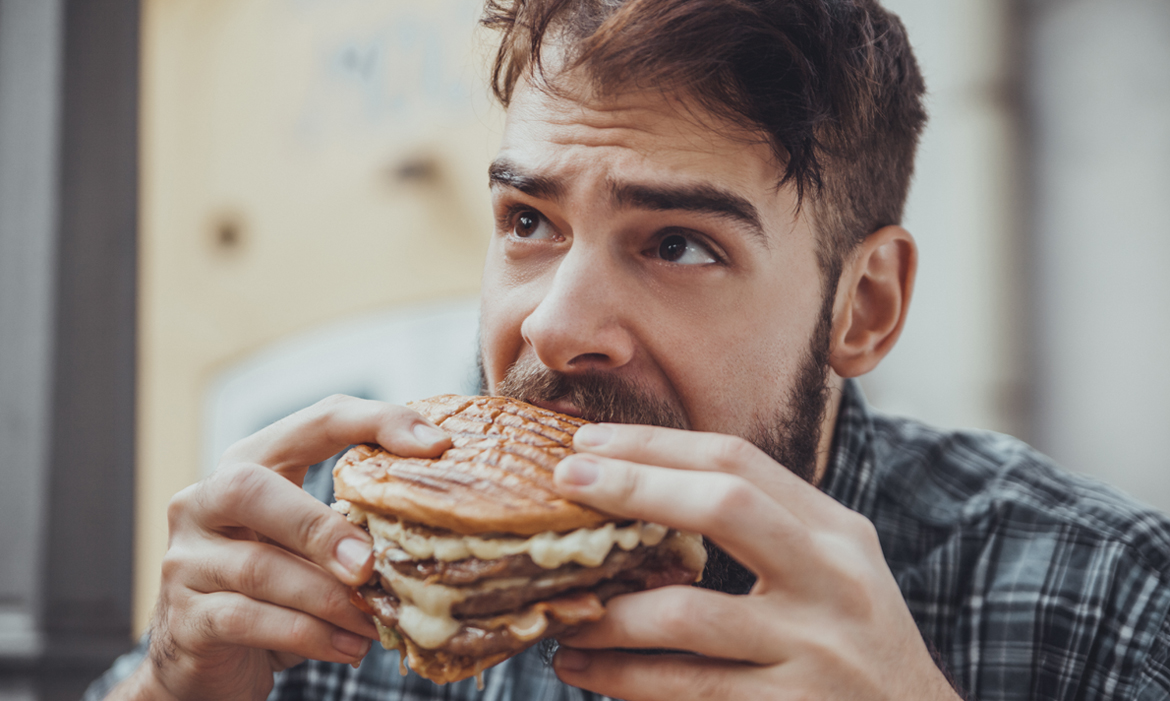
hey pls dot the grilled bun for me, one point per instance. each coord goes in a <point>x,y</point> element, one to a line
<point>497,477</point>
<point>476,555</point>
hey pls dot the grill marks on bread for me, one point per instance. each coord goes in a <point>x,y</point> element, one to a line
<point>497,476</point>
<point>503,560</point>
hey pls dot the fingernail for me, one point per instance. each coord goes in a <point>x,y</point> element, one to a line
<point>349,644</point>
<point>571,660</point>
<point>593,435</point>
<point>353,553</point>
<point>428,435</point>
<point>578,470</point>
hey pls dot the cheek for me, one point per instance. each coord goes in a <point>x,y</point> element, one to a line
<point>728,380</point>
<point>744,363</point>
<point>500,317</point>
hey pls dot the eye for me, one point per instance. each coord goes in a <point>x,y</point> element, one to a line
<point>531,224</point>
<point>677,248</point>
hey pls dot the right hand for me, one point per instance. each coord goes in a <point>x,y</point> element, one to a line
<point>257,573</point>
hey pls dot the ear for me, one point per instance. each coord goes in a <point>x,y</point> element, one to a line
<point>873,296</point>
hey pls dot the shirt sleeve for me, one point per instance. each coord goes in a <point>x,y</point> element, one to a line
<point>1153,683</point>
<point>123,667</point>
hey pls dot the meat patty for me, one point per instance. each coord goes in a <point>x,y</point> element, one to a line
<point>538,585</point>
<point>479,636</point>
<point>546,586</point>
<point>467,571</point>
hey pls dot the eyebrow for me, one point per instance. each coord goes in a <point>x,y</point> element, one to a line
<point>702,199</point>
<point>502,172</point>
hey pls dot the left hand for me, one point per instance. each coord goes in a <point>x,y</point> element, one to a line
<point>825,620</point>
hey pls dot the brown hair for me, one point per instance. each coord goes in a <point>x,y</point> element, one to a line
<point>831,84</point>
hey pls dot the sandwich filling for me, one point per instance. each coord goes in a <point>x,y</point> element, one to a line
<point>478,596</point>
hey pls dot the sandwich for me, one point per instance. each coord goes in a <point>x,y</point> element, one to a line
<point>476,556</point>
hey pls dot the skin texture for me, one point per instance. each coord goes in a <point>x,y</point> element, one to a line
<point>578,280</point>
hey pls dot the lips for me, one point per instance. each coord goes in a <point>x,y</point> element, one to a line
<point>561,406</point>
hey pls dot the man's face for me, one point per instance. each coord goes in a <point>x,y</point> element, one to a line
<point>645,251</point>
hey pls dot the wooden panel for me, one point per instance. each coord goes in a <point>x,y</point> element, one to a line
<point>303,161</point>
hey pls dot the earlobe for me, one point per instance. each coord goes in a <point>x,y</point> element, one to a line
<point>873,296</point>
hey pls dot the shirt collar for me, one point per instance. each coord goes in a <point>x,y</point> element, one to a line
<point>849,477</point>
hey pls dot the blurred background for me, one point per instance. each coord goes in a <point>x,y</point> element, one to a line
<point>215,212</point>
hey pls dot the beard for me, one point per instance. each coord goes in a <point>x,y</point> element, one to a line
<point>790,434</point>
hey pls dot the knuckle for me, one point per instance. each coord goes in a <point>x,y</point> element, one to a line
<point>336,601</point>
<point>303,633</point>
<point>230,624</point>
<point>732,498</point>
<point>394,421</point>
<point>393,413</point>
<point>823,649</point>
<point>175,565</point>
<point>628,484</point>
<point>251,574</point>
<point>856,585</point>
<point>675,620</point>
<point>234,486</point>
<point>316,418</point>
<point>333,402</point>
<point>179,506</point>
<point>315,532</point>
<point>733,452</point>
<point>863,530</point>
<point>324,410</point>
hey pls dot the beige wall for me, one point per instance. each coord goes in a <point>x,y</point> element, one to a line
<point>302,161</point>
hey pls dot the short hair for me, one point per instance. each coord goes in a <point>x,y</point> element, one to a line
<point>831,84</point>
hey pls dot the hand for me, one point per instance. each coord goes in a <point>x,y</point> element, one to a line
<point>257,573</point>
<point>825,619</point>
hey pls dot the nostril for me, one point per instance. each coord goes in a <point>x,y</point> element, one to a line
<point>587,359</point>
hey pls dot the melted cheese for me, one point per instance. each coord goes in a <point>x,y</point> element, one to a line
<point>690,549</point>
<point>429,631</point>
<point>424,613</point>
<point>584,546</point>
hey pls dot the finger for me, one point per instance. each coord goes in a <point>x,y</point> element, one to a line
<point>686,619</point>
<point>738,516</point>
<point>693,450</point>
<point>266,573</point>
<point>322,430</point>
<point>658,677</point>
<point>283,660</point>
<point>231,619</point>
<point>261,500</point>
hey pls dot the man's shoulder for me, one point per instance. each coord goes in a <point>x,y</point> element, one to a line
<point>981,479</point>
<point>1026,577</point>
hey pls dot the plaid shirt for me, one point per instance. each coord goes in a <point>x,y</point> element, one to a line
<point>1029,582</point>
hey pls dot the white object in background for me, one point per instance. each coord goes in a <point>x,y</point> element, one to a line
<point>394,356</point>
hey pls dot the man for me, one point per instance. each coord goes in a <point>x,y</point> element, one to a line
<point>697,209</point>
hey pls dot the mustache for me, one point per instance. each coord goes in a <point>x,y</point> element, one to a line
<point>600,396</point>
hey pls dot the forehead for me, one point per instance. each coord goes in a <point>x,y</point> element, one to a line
<point>643,136</point>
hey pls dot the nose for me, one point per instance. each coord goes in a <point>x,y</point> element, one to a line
<point>579,324</point>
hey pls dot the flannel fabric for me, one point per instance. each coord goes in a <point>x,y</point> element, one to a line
<point>1029,582</point>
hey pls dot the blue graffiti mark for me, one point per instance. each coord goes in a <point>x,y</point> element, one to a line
<point>397,72</point>
<point>360,65</point>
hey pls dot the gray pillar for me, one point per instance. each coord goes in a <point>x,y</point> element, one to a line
<point>68,207</point>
